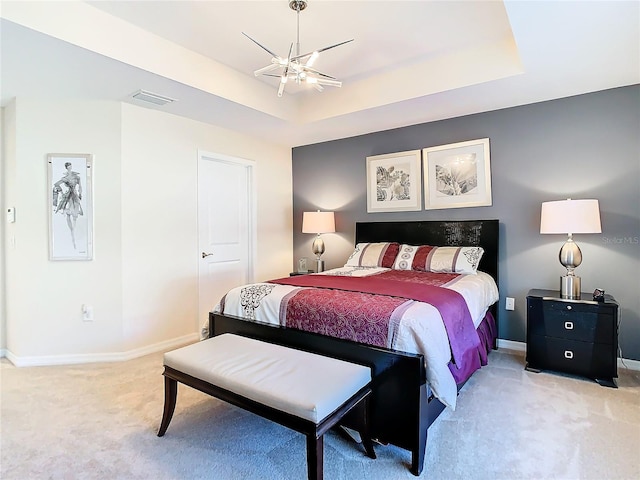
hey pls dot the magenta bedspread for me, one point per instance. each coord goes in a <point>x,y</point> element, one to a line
<point>364,309</point>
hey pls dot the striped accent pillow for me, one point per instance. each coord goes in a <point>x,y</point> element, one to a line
<point>374,255</point>
<point>425,258</point>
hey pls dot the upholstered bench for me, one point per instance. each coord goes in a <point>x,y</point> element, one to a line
<point>303,391</point>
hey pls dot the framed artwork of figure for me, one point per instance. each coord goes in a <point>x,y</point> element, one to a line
<point>70,192</point>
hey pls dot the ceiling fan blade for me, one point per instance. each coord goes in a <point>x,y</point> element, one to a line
<point>329,83</point>
<point>286,68</point>
<point>268,68</point>
<point>312,59</point>
<point>320,82</point>
<point>261,46</point>
<point>316,72</point>
<point>285,74</point>
<point>333,46</point>
<point>298,57</point>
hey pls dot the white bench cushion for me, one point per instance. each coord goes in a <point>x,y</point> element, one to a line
<point>303,384</point>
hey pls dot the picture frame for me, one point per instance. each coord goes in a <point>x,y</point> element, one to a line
<point>302,265</point>
<point>70,194</point>
<point>457,175</point>
<point>394,182</point>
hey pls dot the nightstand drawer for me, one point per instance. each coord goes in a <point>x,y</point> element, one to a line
<point>581,358</point>
<point>573,321</point>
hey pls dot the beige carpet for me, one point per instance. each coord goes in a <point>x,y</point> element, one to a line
<point>99,421</point>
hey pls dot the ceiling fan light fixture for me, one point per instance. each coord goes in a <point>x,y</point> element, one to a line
<point>298,66</point>
<point>314,56</point>
<point>327,82</point>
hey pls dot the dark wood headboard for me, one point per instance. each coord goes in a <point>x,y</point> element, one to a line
<point>439,233</point>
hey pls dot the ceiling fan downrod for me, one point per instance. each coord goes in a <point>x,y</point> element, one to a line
<point>298,6</point>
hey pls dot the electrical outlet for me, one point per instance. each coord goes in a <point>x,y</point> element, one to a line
<point>510,303</point>
<point>87,313</point>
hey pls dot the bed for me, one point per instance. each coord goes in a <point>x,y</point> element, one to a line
<point>403,401</point>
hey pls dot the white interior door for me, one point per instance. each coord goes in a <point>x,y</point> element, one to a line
<point>226,227</point>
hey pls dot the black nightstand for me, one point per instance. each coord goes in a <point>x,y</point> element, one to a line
<point>573,336</point>
<point>293,274</point>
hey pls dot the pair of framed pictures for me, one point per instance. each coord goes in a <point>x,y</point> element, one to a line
<point>453,176</point>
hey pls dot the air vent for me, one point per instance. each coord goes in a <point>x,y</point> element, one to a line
<point>154,98</point>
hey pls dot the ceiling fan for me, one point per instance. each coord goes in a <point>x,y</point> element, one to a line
<point>297,67</point>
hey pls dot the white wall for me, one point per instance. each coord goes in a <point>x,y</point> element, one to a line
<point>44,298</point>
<point>142,282</point>
<point>4,148</point>
<point>159,217</point>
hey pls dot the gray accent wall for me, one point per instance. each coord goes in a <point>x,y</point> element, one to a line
<point>586,146</point>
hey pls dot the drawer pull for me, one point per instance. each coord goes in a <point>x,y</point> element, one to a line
<point>568,307</point>
<point>568,354</point>
<point>568,325</point>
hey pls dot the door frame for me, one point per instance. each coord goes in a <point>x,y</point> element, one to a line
<point>252,204</point>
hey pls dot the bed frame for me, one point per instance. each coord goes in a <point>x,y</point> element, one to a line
<point>402,405</point>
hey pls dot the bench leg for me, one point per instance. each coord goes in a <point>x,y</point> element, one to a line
<point>315,452</point>
<point>366,432</point>
<point>170,395</point>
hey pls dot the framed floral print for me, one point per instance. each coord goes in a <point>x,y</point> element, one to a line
<point>393,182</point>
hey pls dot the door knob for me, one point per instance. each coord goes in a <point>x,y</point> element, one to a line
<point>206,254</point>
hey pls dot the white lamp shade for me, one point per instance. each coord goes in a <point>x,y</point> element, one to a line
<point>318,222</point>
<point>570,216</point>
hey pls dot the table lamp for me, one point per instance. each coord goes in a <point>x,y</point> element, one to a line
<point>569,217</point>
<point>318,223</point>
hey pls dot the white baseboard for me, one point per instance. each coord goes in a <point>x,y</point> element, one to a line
<point>47,360</point>
<point>629,364</point>
<point>511,345</point>
<point>178,342</point>
<point>522,347</point>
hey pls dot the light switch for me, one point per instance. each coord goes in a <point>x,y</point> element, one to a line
<point>11,215</point>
